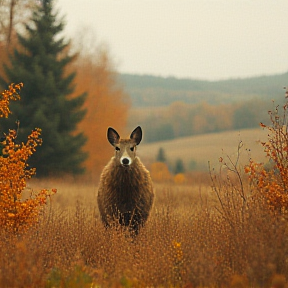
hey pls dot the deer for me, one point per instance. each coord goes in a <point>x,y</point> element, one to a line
<point>125,193</point>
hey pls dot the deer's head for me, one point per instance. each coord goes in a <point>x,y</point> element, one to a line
<point>125,149</point>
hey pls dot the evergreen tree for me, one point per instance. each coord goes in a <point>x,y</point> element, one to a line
<point>179,166</point>
<point>161,157</point>
<point>40,62</point>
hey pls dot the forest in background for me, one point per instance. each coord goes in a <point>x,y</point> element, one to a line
<point>148,90</point>
<point>182,120</point>
<point>170,108</point>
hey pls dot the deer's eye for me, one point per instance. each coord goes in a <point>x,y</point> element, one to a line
<point>117,148</point>
<point>132,148</point>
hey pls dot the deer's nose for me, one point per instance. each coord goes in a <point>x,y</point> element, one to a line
<point>125,161</point>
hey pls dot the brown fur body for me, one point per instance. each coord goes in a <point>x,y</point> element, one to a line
<point>125,194</point>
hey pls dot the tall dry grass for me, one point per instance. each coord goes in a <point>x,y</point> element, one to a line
<point>188,242</point>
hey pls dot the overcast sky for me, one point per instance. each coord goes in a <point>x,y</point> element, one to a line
<point>202,39</point>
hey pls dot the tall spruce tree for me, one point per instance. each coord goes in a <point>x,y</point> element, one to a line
<point>40,63</point>
<point>161,157</point>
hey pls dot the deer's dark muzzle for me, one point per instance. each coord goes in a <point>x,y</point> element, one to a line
<point>125,161</point>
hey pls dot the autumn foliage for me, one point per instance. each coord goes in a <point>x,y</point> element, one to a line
<point>270,182</point>
<point>160,172</point>
<point>170,122</point>
<point>106,104</point>
<point>6,97</point>
<point>17,214</point>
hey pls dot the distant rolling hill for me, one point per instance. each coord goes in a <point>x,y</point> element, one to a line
<point>198,150</point>
<point>147,90</point>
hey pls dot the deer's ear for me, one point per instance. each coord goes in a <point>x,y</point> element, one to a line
<point>112,136</point>
<point>136,135</point>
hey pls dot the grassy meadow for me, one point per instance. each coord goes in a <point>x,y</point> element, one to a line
<point>187,242</point>
<point>211,234</point>
<point>205,148</point>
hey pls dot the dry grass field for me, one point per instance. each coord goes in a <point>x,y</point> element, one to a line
<point>189,241</point>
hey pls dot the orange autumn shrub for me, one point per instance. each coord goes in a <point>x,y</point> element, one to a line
<point>270,182</point>
<point>160,173</point>
<point>269,186</point>
<point>7,96</point>
<point>17,214</point>
<point>180,178</point>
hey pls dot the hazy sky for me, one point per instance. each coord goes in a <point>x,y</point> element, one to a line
<point>203,39</point>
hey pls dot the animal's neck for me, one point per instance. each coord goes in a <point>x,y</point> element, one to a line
<point>126,178</point>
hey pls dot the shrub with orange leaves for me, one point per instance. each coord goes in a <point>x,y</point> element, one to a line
<point>270,183</point>
<point>160,172</point>
<point>180,178</point>
<point>269,186</point>
<point>17,214</point>
<point>7,96</point>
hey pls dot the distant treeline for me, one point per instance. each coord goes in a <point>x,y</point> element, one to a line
<point>180,119</point>
<point>147,90</point>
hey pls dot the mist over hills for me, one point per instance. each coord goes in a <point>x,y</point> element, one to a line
<point>148,90</point>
